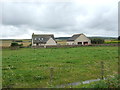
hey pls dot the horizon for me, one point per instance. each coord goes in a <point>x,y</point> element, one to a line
<point>59,37</point>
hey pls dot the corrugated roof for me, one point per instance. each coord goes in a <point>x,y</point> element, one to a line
<point>74,37</point>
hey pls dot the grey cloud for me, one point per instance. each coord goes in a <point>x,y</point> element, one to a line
<point>67,18</point>
<point>44,15</point>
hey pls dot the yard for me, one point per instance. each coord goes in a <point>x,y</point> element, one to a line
<point>30,68</point>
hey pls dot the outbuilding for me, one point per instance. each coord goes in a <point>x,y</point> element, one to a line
<point>78,39</point>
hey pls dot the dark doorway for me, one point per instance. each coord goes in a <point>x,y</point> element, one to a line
<point>37,44</point>
<point>85,43</point>
<point>79,43</point>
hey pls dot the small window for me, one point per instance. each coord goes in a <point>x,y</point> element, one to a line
<point>80,43</point>
<point>41,38</point>
<point>35,38</point>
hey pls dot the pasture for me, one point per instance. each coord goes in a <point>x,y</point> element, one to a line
<point>7,43</point>
<point>30,68</point>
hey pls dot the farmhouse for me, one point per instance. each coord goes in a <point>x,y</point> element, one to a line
<point>78,39</point>
<point>43,39</point>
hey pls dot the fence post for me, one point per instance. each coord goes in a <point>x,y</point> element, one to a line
<point>102,70</point>
<point>51,75</point>
<point>118,66</point>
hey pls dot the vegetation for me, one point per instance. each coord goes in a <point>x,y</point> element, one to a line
<point>7,42</point>
<point>30,44</point>
<point>13,44</point>
<point>112,42</point>
<point>30,68</point>
<point>18,41</point>
<point>97,41</point>
<point>119,38</point>
<point>110,82</point>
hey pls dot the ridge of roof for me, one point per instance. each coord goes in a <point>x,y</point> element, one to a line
<point>43,34</point>
<point>45,37</point>
<point>78,34</point>
<point>75,36</point>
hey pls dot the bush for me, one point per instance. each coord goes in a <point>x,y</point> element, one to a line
<point>112,42</point>
<point>111,82</point>
<point>18,41</point>
<point>14,44</point>
<point>30,44</point>
<point>97,41</point>
<point>20,44</point>
<point>119,38</point>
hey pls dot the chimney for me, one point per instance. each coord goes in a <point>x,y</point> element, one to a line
<point>33,34</point>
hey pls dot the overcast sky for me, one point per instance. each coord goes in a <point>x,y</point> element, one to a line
<point>91,17</point>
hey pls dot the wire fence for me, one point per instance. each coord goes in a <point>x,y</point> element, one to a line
<point>63,76</point>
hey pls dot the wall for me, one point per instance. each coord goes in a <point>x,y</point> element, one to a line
<point>51,42</point>
<point>82,38</point>
<point>70,42</point>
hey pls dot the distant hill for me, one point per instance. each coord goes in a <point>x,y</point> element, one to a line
<point>103,37</point>
<point>61,38</point>
<point>65,38</point>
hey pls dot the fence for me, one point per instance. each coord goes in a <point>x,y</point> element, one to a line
<point>102,73</point>
<point>64,76</point>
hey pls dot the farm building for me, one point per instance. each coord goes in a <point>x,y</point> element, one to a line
<point>78,39</point>
<point>43,39</point>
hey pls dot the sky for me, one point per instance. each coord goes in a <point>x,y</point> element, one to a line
<point>61,18</point>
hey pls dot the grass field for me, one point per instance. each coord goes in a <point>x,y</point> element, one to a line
<point>7,43</point>
<point>111,41</point>
<point>110,82</point>
<point>30,68</point>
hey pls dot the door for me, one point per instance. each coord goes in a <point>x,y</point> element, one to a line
<point>37,44</point>
<point>85,43</point>
<point>79,43</point>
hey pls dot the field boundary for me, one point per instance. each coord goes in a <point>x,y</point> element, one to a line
<point>62,46</point>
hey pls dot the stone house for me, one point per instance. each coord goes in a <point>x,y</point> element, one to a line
<point>43,39</point>
<point>78,39</point>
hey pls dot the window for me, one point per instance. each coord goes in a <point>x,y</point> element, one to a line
<point>35,38</point>
<point>80,43</point>
<point>41,38</point>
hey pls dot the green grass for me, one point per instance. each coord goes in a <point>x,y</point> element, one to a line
<point>110,82</point>
<point>112,41</point>
<point>30,68</point>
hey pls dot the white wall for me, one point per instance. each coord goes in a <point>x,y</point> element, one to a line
<point>32,43</point>
<point>51,42</point>
<point>70,43</point>
<point>82,38</point>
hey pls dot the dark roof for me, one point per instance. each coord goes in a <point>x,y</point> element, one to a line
<point>42,38</point>
<point>74,37</point>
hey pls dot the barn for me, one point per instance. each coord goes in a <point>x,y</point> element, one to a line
<point>78,39</point>
<point>43,39</point>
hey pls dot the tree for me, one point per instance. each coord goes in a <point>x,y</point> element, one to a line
<point>119,38</point>
<point>97,41</point>
<point>13,44</point>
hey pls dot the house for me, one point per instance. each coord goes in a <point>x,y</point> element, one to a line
<point>43,39</point>
<point>78,39</point>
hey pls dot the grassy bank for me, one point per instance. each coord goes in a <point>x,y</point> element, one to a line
<point>110,82</point>
<point>30,68</point>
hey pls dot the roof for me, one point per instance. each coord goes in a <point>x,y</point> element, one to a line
<point>74,37</point>
<point>42,38</point>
